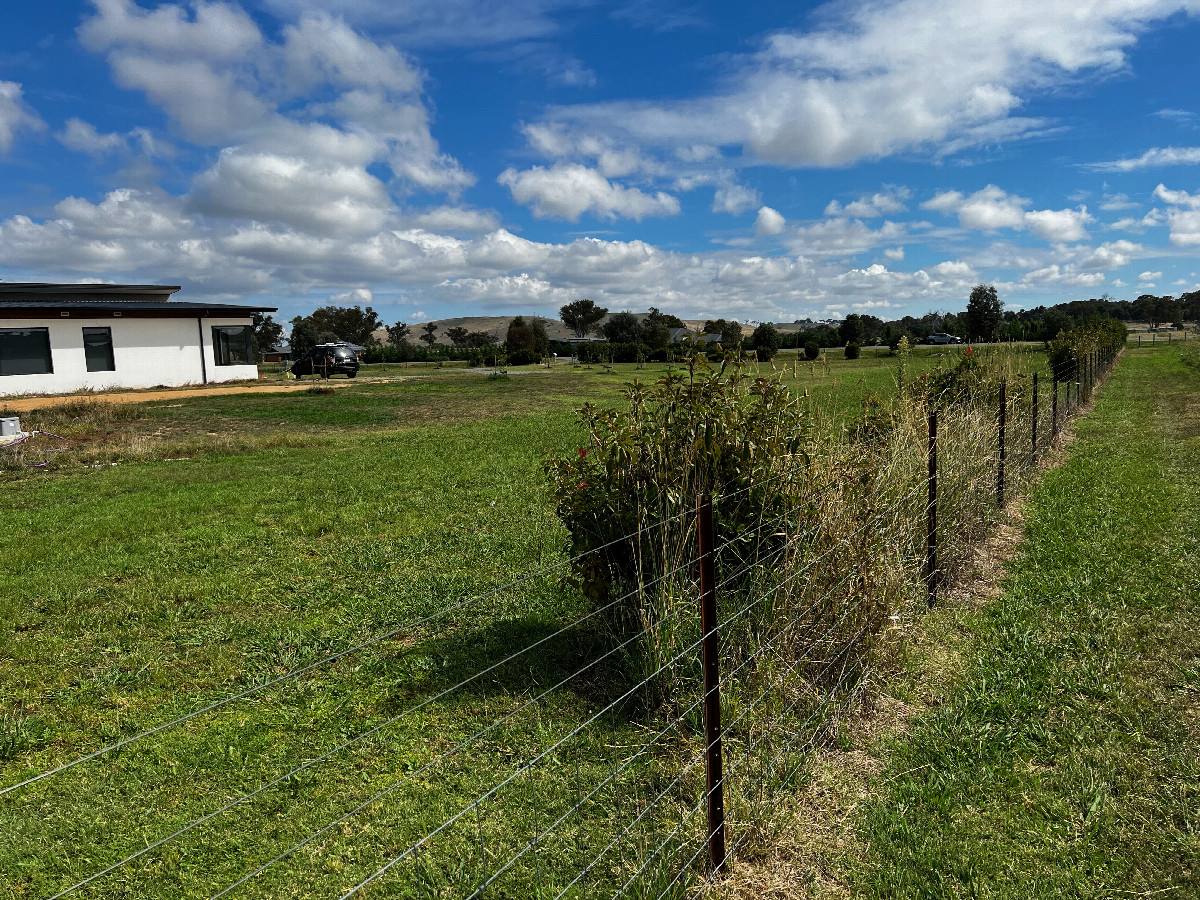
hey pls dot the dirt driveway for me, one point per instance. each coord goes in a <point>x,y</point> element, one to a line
<point>25,404</point>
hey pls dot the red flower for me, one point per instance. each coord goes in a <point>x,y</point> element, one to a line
<point>582,452</point>
<point>581,485</point>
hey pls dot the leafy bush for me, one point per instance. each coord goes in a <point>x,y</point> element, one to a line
<point>626,496</point>
<point>1067,351</point>
<point>811,350</point>
<point>522,357</point>
<point>1063,358</point>
<point>961,384</point>
<point>852,351</point>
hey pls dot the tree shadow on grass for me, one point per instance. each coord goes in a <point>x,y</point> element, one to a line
<point>524,656</point>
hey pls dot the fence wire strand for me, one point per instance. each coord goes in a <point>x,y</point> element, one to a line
<point>789,685</point>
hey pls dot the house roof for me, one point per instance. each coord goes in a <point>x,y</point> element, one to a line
<point>41,288</point>
<point>27,299</point>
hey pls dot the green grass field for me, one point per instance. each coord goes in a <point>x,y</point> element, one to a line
<point>1065,762</point>
<point>179,552</point>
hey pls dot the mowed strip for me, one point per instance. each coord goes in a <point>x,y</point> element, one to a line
<point>1067,761</point>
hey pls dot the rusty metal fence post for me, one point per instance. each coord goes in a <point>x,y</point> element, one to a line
<point>1000,445</point>
<point>1054,408</point>
<point>710,662</point>
<point>1033,455</point>
<point>931,573</point>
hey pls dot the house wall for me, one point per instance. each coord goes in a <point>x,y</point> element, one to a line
<point>146,351</point>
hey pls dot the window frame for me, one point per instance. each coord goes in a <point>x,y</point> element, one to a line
<point>87,357</point>
<point>222,348</point>
<point>45,333</point>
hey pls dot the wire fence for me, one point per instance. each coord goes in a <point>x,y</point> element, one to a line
<point>630,744</point>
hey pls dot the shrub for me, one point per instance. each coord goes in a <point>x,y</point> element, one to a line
<point>624,497</point>
<point>1063,358</point>
<point>961,384</point>
<point>522,357</point>
<point>852,351</point>
<point>811,350</point>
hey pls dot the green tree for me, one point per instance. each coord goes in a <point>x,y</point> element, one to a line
<point>657,317</point>
<point>541,340</point>
<point>303,337</point>
<point>267,332</point>
<point>655,336</point>
<point>766,340</point>
<point>582,316</point>
<point>351,324</point>
<point>984,311</point>
<point>398,334</point>
<point>623,328</point>
<point>1189,306</point>
<point>521,342</point>
<point>656,328</point>
<point>729,330</point>
<point>851,329</point>
<point>457,335</point>
<point>479,340</point>
<point>430,332</point>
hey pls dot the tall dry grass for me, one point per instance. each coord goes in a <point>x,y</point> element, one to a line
<point>820,541</point>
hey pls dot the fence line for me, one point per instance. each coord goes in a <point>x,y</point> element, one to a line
<point>791,606</point>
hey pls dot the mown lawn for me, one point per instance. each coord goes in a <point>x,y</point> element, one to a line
<point>1066,762</point>
<point>180,552</point>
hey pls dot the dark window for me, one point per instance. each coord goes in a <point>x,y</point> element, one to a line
<point>98,349</point>
<point>233,345</point>
<point>25,351</point>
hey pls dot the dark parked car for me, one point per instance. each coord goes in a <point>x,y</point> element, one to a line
<point>940,337</point>
<point>327,360</point>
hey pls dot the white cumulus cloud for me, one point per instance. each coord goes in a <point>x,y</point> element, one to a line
<point>322,199</point>
<point>15,115</point>
<point>1065,276</point>
<point>83,137</point>
<point>869,206</point>
<point>1059,226</point>
<point>871,80</point>
<point>355,297</point>
<point>735,199</point>
<point>992,208</point>
<point>223,83</point>
<point>567,191</point>
<point>1184,218</point>
<point>768,221</point>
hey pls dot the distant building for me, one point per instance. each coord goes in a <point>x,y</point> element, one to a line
<point>281,352</point>
<point>57,338</point>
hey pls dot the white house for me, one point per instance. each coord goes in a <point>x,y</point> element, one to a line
<point>56,338</point>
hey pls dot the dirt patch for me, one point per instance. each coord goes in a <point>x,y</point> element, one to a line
<point>27,403</point>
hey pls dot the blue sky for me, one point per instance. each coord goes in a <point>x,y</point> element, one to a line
<point>764,161</point>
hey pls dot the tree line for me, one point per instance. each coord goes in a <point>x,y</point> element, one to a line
<point>650,335</point>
